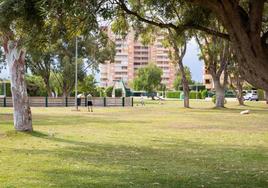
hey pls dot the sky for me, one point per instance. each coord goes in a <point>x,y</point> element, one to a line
<point>191,60</point>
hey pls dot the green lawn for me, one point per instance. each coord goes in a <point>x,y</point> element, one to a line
<point>152,146</point>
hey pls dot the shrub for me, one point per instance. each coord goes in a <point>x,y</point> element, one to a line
<point>173,94</point>
<point>109,91</point>
<point>8,90</point>
<point>260,94</point>
<point>118,92</point>
<point>204,94</point>
<point>195,95</point>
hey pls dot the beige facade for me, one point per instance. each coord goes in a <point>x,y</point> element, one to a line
<point>207,79</point>
<point>131,55</point>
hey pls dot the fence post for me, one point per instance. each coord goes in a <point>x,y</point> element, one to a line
<point>123,101</point>
<point>5,101</point>
<point>46,101</point>
<point>132,101</point>
<point>104,101</point>
<point>66,101</point>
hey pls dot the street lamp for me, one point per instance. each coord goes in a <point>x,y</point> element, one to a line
<point>76,77</point>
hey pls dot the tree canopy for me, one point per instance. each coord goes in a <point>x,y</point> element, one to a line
<point>148,78</point>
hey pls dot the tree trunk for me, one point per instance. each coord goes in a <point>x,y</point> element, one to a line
<point>239,92</point>
<point>251,53</point>
<point>219,93</point>
<point>185,86</point>
<point>186,95</point>
<point>240,98</point>
<point>179,54</point>
<point>48,88</point>
<point>266,96</point>
<point>16,61</point>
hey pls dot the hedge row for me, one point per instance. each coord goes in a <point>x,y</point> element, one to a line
<point>176,94</point>
<point>173,94</point>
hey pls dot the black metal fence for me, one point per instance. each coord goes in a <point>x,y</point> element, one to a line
<point>70,101</point>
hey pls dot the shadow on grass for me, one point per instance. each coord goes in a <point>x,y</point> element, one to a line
<point>182,164</point>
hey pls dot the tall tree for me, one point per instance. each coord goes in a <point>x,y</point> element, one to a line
<point>178,81</point>
<point>40,65</point>
<point>216,54</point>
<point>148,78</point>
<point>17,26</point>
<point>235,78</point>
<point>244,21</point>
<point>22,26</point>
<point>179,44</point>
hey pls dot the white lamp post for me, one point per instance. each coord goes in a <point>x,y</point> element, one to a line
<point>76,56</point>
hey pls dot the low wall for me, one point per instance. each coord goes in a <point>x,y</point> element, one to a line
<point>70,101</point>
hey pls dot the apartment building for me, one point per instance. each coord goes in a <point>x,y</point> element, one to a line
<point>207,79</point>
<point>131,55</point>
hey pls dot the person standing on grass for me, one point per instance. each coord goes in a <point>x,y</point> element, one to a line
<point>142,100</point>
<point>89,103</point>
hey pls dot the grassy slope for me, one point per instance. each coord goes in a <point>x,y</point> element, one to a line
<point>152,146</point>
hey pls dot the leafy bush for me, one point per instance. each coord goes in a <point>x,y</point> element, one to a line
<point>195,95</point>
<point>204,94</point>
<point>109,91</point>
<point>8,90</point>
<point>260,94</point>
<point>35,86</point>
<point>118,92</point>
<point>173,94</point>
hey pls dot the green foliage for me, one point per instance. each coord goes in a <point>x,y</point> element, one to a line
<point>101,92</point>
<point>260,94</point>
<point>148,78</point>
<point>195,95</point>
<point>118,92</point>
<point>35,86</point>
<point>8,89</point>
<point>109,91</point>
<point>178,81</point>
<point>88,86</point>
<point>173,94</point>
<point>204,94</point>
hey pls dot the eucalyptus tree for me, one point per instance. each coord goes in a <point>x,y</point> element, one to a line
<point>22,26</point>
<point>179,44</point>
<point>40,64</point>
<point>245,22</point>
<point>148,78</point>
<point>93,48</point>
<point>178,80</point>
<point>216,55</point>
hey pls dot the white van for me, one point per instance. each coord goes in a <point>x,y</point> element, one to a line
<point>251,95</point>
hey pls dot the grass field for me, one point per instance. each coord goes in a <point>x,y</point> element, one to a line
<point>152,146</point>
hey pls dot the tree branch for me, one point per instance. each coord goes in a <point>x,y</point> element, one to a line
<point>178,28</point>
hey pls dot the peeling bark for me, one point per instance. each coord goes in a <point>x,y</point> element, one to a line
<point>219,93</point>
<point>22,112</point>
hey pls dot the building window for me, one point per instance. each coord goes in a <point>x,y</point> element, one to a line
<point>207,81</point>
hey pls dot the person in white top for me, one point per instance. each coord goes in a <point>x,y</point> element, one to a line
<point>142,100</point>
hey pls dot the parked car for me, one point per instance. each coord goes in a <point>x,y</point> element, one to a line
<point>251,96</point>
